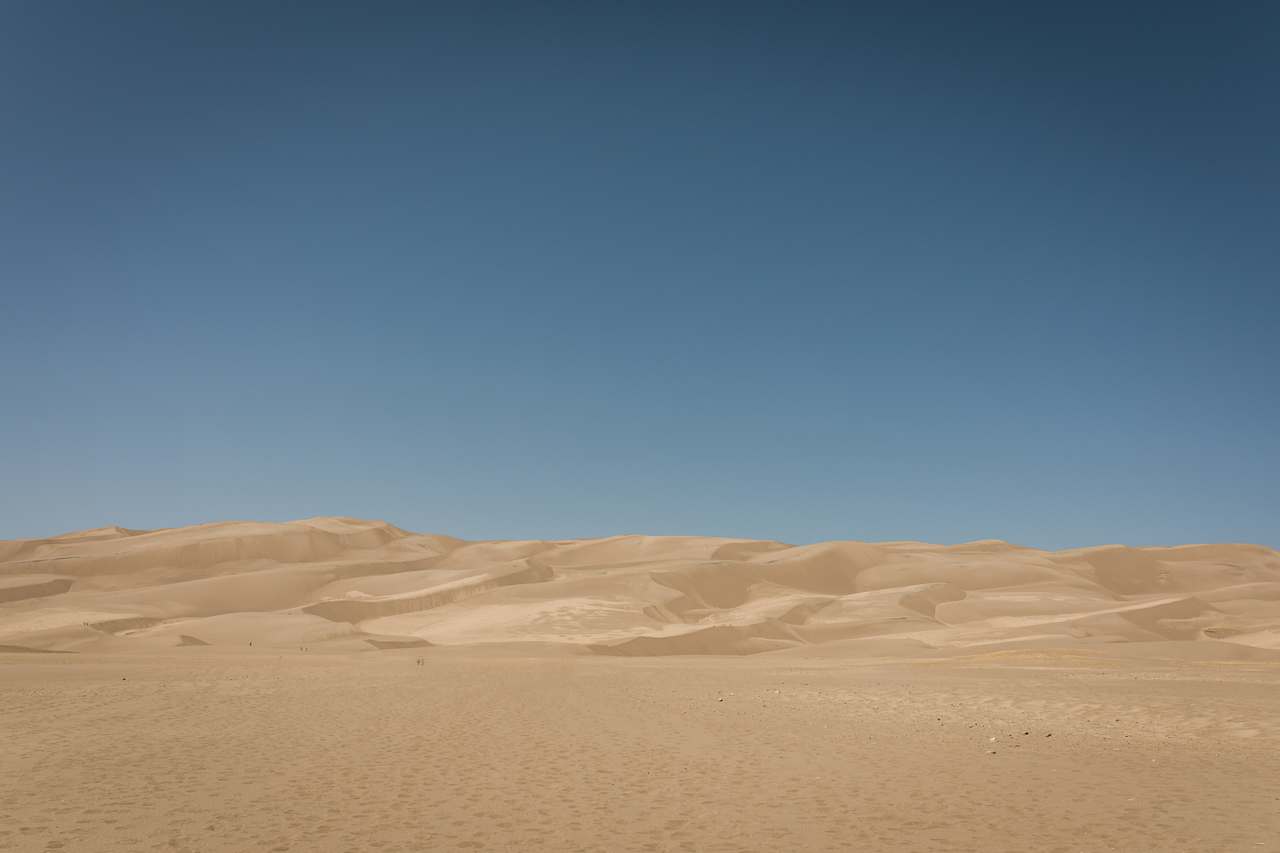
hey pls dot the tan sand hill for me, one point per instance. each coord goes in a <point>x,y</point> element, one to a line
<point>334,684</point>
<point>344,583</point>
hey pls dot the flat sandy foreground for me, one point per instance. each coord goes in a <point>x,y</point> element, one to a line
<point>201,749</point>
<point>339,684</point>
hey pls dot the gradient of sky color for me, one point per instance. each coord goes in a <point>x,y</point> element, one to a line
<point>795,271</point>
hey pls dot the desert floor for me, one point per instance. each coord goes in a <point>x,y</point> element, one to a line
<point>344,684</point>
<point>512,748</point>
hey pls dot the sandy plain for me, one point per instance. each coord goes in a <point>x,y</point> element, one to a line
<point>336,684</point>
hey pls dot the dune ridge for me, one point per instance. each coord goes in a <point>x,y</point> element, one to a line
<point>358,584</point>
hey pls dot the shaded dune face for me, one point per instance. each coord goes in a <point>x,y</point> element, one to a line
<point>346,583</point>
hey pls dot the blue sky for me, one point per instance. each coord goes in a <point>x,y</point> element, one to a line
<point>540,270</point>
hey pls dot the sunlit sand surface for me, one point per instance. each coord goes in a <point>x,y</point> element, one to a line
<point>335,684</point>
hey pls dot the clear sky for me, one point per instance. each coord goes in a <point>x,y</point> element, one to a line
<point>796,271</point>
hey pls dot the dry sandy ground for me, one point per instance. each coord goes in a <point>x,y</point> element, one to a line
<point>339,684</point>
<point>201,749</point>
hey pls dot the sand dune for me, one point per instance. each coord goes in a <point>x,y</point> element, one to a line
<point>334,684</point>
<point>350,583</point>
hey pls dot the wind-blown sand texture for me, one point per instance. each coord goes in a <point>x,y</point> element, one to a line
<point>336,684</point>
<point>340,583</point>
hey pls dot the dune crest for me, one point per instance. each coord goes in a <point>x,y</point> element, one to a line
<point>359,584</point>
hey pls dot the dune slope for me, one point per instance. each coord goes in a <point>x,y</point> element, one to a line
<point>355,584</point>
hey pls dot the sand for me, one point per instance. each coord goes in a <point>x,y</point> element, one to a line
<point>337,684</point>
